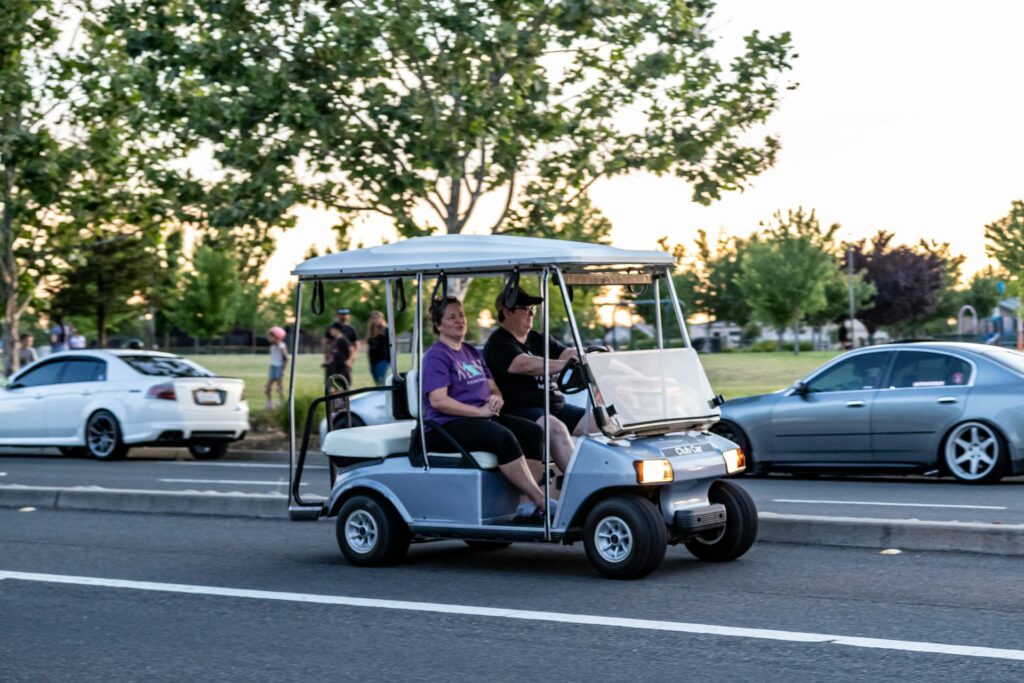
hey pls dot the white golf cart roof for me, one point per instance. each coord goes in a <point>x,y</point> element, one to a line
<point>473,254</point>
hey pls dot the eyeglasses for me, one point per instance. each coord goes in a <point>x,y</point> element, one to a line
<point>529,309</point>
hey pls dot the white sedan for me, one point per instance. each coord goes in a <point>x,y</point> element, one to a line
<point>100,403</point>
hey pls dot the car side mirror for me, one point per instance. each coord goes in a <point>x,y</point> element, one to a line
<point>15,385</point>
<point>801,388</point>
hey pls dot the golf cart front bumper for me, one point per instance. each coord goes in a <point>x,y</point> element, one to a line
<point>693,521</point>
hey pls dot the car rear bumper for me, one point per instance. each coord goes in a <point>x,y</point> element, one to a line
<point>177,433</point>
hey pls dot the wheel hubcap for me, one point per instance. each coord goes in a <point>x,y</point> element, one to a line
<point>361,531</point>
<point>972,451</point>
<point>102,436</point>
<point>613,539</point>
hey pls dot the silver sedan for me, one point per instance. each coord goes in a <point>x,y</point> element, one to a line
<point>914,407</point>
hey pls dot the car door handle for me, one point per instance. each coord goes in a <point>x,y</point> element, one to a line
<point>855,404</point>
<point>38,397</point>
<point>88,393</point>
<point>947,399</point>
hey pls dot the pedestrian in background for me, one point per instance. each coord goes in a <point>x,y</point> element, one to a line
<point>26,350</point>
<point>340,357</point>
<point>378,348</point>
<point>278,361</point>
<point>347,329</point>
<point>58,336</point>
<point>76,340</point>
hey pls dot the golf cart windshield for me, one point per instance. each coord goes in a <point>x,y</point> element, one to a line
<point>654,391</point>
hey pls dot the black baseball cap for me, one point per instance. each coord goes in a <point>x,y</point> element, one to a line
<point>522,298</point>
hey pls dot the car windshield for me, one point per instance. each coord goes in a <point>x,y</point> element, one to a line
<point>644,387</point>
<point>164,366</point>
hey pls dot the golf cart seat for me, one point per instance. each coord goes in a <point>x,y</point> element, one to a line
<point>369,442</point>
<point>483,459</point>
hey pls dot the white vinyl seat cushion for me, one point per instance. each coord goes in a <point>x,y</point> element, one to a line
<point>372,441</point>
<point>486,461</point>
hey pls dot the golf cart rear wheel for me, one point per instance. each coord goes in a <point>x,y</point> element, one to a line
<point>208,451</point>
<point>370,533</point>
<point>740,531</point>
<point>103,437</point>
<point>625,537</point>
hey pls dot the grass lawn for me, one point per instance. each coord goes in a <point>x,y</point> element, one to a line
<point>732,374</point>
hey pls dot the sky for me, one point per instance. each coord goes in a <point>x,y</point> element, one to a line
<point>907,118</point>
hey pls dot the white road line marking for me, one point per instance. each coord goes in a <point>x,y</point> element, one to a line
<point>530,615</point>
<point>280,482</point>
<point>243,464</point>
<point>3,474</point>
<point>884,504</point>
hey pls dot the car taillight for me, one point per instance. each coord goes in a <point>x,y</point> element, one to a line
<point>163,391</point>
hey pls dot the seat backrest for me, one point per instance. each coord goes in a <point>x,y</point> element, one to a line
<point>396,404</point>
<point>412,387</point>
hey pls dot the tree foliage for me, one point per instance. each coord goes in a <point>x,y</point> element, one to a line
<point>209,295</point>
<point>1004,239</point>
<point>785,270</point>
<point>418,110</point>
<point>908,281</point>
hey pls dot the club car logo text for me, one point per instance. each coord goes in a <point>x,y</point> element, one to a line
<point>682,450</point>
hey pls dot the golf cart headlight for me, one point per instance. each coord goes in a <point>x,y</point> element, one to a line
<point>653,471</point>
<point>735,461</point>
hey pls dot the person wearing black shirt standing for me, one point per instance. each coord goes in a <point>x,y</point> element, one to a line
<point>377,348</point>
<point>514,353</point>
<point>339,356</point>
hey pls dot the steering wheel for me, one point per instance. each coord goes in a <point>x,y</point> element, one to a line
<point>570,379</point>
<point>597,349</point>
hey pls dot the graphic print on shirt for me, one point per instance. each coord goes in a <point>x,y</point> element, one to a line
<point>466,370</point>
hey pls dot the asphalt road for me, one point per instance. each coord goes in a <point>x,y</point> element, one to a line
<point>530,612</point>
<point>924,498</point>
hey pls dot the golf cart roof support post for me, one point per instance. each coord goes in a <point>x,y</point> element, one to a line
<point>292,484</point>
<point>546,323</point>
<point>677,307</point>
<point>657,313</point>
<point>576,338</point>
<point>417,360</point>
<point>389,304</point>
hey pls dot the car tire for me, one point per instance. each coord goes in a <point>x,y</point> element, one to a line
<point>103,437</point>
<point>370,533</point>
<point>740,531</point>
<point>488,545</point>
<point>208,451</point>
<point>975,453</point>
<point>625,537</point>
<point>735,433</point>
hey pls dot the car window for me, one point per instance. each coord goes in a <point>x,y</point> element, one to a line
<point>160,366</point>
<point>863,371</point>
<point>924,369</point>
<point>83,370</point>
<point>41,375</point>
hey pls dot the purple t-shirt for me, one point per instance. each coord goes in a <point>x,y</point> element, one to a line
<point>462,371</point>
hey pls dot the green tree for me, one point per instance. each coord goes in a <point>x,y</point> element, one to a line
<point>784,271</point>
<point>30,158</point>
<point>1004,239</point>
<point>417,110</point>
<point>209,295</point>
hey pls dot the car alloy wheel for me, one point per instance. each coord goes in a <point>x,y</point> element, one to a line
<point>974,453</point>
<point>103,437</point>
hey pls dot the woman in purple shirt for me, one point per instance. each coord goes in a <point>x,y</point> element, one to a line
<point>462,397</point>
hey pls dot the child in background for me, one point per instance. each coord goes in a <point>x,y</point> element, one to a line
<point>278,361</point>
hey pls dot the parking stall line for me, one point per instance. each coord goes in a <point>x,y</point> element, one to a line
<point>529,615</point>
<point>888,504</point>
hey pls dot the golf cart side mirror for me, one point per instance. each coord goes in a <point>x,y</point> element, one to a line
<point>801,388</point>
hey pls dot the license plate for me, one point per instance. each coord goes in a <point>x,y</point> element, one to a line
<point>209,397</point>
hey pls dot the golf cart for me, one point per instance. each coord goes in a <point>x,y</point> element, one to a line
<point>652,476</point>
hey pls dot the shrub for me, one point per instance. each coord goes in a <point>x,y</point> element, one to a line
<point>768,345</point>
<point>302,401</point>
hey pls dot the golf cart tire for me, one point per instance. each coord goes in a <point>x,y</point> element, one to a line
<point>208,451</point>
<point>648,537</point>
<point>487,545</point>
<point>370,532</point>
<point>740,532</point>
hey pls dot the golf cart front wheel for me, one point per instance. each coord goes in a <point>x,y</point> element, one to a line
<point>625,537</point>
<point>739,532</point>
<point>370,533</point>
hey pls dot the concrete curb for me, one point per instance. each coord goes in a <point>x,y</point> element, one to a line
<point>260,505</point>
<point>905,534</point>
<point>859,532</point>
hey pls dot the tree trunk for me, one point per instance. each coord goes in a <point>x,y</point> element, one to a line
<point>796,337</point>
<point>781,342</point>
<point>101,326</point>
<point>9,275</point>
